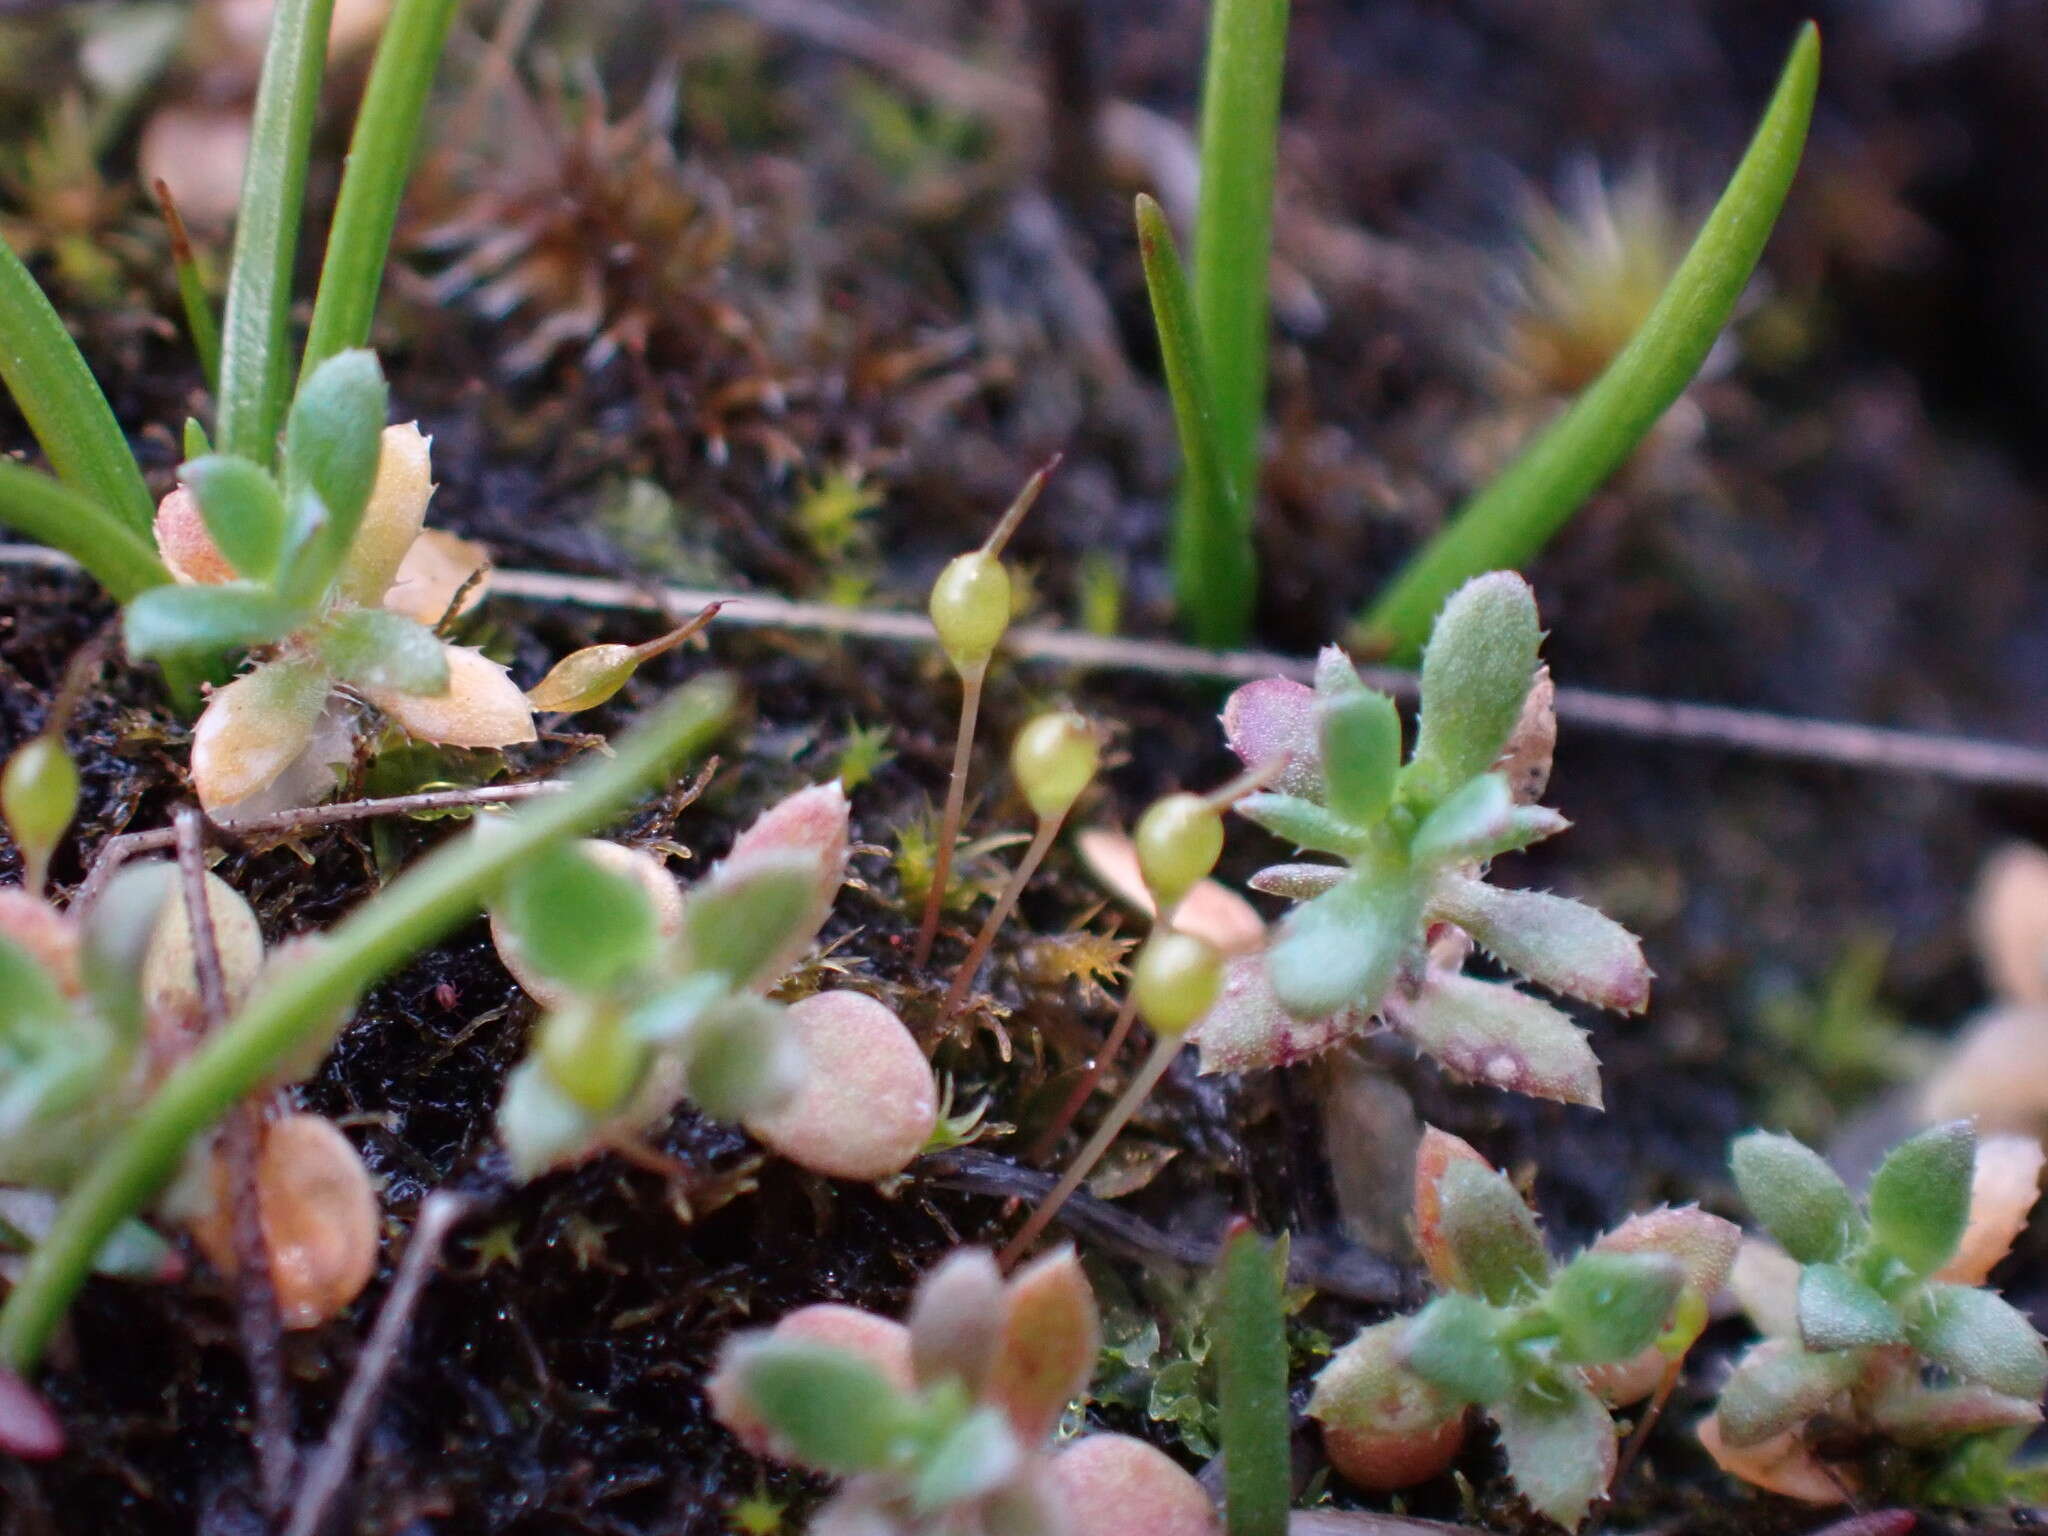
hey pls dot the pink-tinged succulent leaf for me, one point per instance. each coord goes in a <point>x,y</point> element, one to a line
<point>1274,720</point>
<point>1047,1351</point>
<point>1778,1386</point>
<point>2003,1188</point>
<point>880,1341</point>
<point>1525,761</point>
<point>1434,1155</point>
<point>1113,1485</point>
<point>170,969</point>
<point>1384,1427</point>
<point>1561,944</point>
<point>2009,918</point>
<point>1996,1073</point>
<point>188,550</point>
<point>392,517</point>
<point>956,1320</point>
<point>1765,1281</point>
<point>438,573</point>
<point>1247,1030</point>
<point>483,707</point>
<point>28,1427</point>
<point>49,937</point>
<point>1916,1414</point>
<point>868,1103</point>
<point>1493,1034</point>
<point>1494,1244</point>
<point>1705,1248</point>
<point>646,870</point>
<point>1560,1448</point>
<point>814,822</point>
<point>254,729</point>
<point>1298,882</point>
<point>1209,911</point>
<point>1781,1464</point>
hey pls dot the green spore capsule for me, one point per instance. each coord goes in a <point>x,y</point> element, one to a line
<point>1054,758</point>
<point>1179,840</point>
<point>39,796</point>
<point>1176,980</point>
<point>970,608</point>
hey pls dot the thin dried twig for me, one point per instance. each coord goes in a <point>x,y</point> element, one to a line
<point>261,1333</point>
<point>439,1213</point>
<point>1841,744</point>
<point>116,851</point>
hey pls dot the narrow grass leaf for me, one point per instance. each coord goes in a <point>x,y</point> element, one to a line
<point>1212,553</point>
<point>1505,524</point>
<point>83,526</point>
<point>1252,1356</point>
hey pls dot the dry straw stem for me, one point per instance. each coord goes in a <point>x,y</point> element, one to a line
<point>1793,738</point>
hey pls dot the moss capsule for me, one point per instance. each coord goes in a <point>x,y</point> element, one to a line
<point>1179,839</point>
<point>970,608</point>
<point>39,796</point>
<point>1053,759</point>
<point>1176,980</point>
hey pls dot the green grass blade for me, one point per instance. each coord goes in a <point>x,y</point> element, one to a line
<point>380,157</point>
<point>1251,1342</point>
<point>47,376</point>
<point>1212,553</point>
<point>201,324</point>
<point>1510,520</point>
<point>439,892</point>
<point>1234,222</point>
<point>254,367</point>
<point>53,513</point>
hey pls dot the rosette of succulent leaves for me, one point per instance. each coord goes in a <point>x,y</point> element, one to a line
<point>1882,1330</point>
<point>328,575</point>
<point>944,1425</point>
<point>1545,1350</point>
<point>1383,934</point>
<point>95,1009</point>
<point>654,994</point>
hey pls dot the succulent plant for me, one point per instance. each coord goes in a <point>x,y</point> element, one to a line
<point>942,1425</point>
<point>1880,1321</point>
<point>1384,933</point>
<point>1543,1349</point>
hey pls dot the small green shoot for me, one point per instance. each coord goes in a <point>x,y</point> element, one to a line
<point>1251,1339</point>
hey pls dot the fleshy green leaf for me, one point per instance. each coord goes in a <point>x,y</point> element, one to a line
<point>1920,1196</point>
<point>539,1124</point>
<point>29,999</point>
<point>242,509</point>
<point>374,648</point>
<point>1476,671</point>
<point>977,1457</point>
<point>1800,1200</point>
<point>578,922</point>
<point>1778,1386</point>
<point>1341,950</point>
<point>1982,1338</point>
<point>1451,1344</point>
<point>836,1412</point>
<point>1494,1034</point>
<point>1838,1311</point>
<point>332,440</point>
<point>739,923</point>
<point>744,1059</point>
<point>1560,1448</point>
<point>1300,822</point>
<point>1361,749</point>
<point>1556,942</point>
<point>1299,882</point>
<point>1611,1306</point>
<point>1469,825</point>
<point>1490,1234</point>
<point>201,621</point>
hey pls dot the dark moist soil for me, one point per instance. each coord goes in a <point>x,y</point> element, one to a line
<point>803,285</point>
